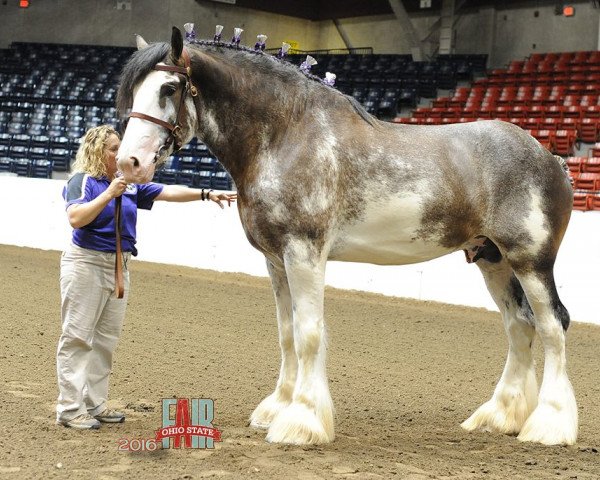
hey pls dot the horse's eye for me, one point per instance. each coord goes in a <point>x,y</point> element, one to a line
<point>168,89</point>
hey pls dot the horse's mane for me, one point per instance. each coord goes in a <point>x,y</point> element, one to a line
<point>143,61</point>
<point>140,64</point>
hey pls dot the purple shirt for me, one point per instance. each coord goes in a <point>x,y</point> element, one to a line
<point>99,234</point>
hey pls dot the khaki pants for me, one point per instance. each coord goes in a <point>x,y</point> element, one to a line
<point>92,318</point>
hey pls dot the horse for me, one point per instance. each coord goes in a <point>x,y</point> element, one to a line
<point>320,179</point>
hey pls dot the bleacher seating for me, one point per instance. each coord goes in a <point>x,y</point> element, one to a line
<point>555,97</point>
<point>50,94</point>
<point>385,83</point>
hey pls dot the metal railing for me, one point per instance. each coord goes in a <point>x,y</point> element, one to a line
<point>328,51</point>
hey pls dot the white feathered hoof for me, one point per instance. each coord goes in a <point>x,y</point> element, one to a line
<point>499,417</point>
<point>551,424</point>
<point>263,414</point>
<point>299,425</point>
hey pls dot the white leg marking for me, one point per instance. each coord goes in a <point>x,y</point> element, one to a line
<point>309,418</point>
<point>282,396</point>
<point>515,395</point>
<point>554,421</point>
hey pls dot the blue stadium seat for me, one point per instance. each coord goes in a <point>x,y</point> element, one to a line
<point>168,176</point>
<point>61,158</point>
<point>39,141</point>
<point>36,129</point>
<point>5,164</point>
<point>20,140</point>
<point>59,141</point>
<point>220,181</point>
<point>15,128</point>
<point>20,166</point>
<point>185,177</point>
<point>187,163</point>
<point>18,151</point>
<point>38,153</point>
<point>41,169</point>
<point>201,149</point>
<point>203,179</point>
<point>206,164</point>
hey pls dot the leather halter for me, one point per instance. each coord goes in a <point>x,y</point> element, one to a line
<point>188,87</point>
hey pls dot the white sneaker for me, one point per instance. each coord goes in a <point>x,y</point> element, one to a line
<point>109,415</point>
<point>82,422</point>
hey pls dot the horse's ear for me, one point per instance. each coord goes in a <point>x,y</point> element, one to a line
<point>140,42</point>
<point>176,43</point>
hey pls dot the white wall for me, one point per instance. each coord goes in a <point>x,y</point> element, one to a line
<point>199,234</point>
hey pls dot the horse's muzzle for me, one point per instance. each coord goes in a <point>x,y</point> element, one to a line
<point>135,171</point>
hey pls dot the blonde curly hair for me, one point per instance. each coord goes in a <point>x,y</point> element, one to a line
<point>90,155</point>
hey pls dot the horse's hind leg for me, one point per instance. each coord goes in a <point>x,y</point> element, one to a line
<point>515,395</point>
<point>554,421</point>
<point>309,418</point>
<point>530,248</point>
<point>282,396</point>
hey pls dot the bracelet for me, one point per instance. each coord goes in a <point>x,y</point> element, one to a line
<point>208,194</point>
<point>202,195</point>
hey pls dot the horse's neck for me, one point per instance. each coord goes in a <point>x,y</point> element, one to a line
<point>243,117</point>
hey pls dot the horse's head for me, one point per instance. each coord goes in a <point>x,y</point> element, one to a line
<point>156,85</point>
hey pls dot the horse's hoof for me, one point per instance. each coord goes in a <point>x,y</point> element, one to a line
<point>263,414</point>
<point>298,425</point>
<point>495,417</point>
<point>551,426</point>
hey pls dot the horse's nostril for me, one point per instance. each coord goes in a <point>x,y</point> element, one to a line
<point>136,162</point>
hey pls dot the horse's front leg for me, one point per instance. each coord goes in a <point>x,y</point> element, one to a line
<point>282,396</point>
<point>309,418</point>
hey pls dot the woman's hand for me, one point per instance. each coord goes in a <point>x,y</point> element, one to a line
<point>220,197</point>
<point>116,187</point>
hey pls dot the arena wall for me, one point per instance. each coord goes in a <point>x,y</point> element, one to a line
<point>201,235</point>
<point>503,34</point>
<point>100,22</point>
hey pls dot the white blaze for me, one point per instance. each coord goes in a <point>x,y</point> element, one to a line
<point>143,138</point>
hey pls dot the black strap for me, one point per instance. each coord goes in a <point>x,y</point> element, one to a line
<point>119,284</point>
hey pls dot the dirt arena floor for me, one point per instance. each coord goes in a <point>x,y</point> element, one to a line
<point>403,375</point>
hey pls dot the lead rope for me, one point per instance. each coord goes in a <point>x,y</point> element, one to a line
<point>119,285</point>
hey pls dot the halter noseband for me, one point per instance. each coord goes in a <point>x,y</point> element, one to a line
<point>188,87</point>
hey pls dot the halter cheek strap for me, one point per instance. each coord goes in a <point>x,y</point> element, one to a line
<point>174,129</point>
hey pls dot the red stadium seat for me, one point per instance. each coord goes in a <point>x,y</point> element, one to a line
<point>581,201</point>
<point>590,164</point>
<point>588,130</point>
<point>549,123</point>
<point>575,164</point>
<point>592,111</point>
<point>441,102</point>
<point>588,181</point>
<point>572,111</point>
<point>564,142</point>
<point>594,201</point>
<point>554,111</point>
<point>545,137</point>
<point>531,123</point>
<point>595,150</point>
<point>536,111</point>
<point>573,124</point>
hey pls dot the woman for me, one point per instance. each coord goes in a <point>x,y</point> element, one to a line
<point>92,315</point>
